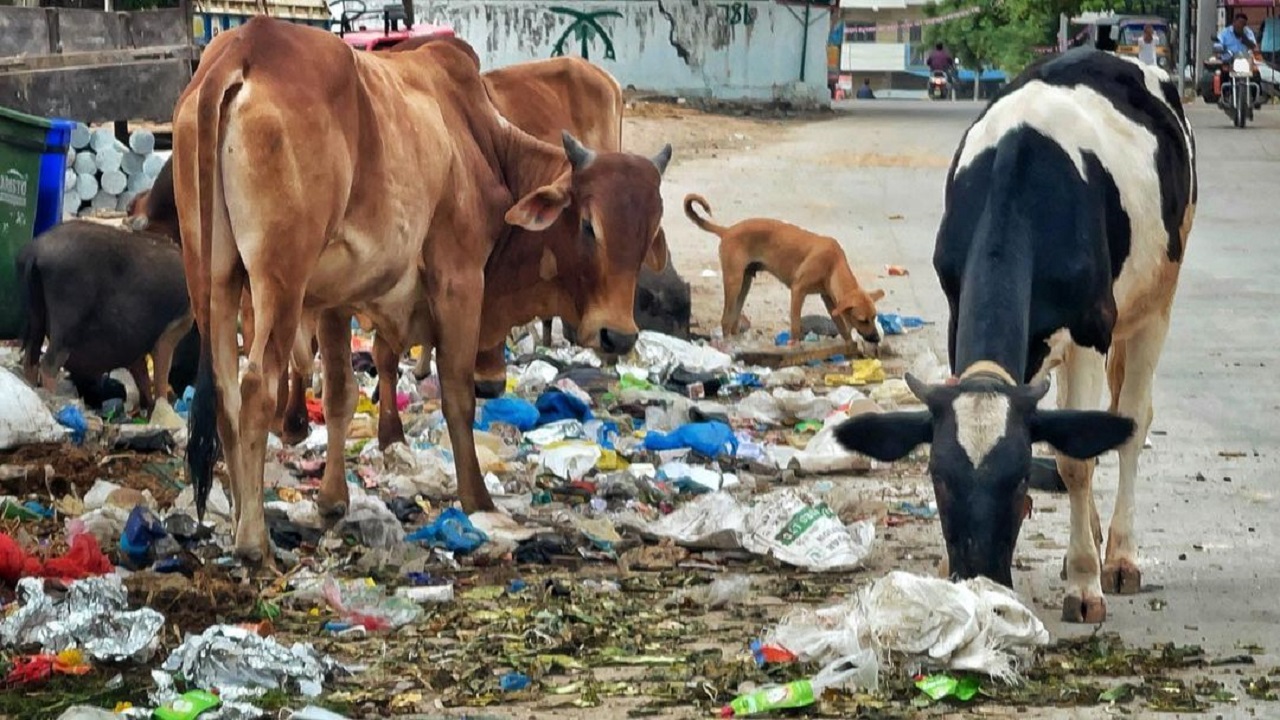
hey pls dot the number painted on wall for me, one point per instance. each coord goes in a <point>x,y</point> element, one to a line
<point>738,13</point>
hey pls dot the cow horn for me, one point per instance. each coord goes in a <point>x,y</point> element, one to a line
<point>579,155</point>
<point>918,388</point>
<point>662,158</point>
<point>1034,393</point>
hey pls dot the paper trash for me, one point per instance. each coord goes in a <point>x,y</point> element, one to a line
<point>788,524</point>
<point>975,625</point>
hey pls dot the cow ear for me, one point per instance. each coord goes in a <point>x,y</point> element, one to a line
<point>886,436</point>
<point>661,160</point>
<point>658,254</point>
<point>1081,434</point>
<point>540,208</point>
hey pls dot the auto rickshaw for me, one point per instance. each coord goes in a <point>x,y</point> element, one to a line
<point>1126,31</point>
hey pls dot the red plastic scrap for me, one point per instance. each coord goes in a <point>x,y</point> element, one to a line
<point>315,411</point>
<point>83,559</point>
<point>33,669</point>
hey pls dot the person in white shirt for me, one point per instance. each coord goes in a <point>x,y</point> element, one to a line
<point>1147,45</point>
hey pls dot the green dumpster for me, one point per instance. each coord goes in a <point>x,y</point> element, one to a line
<point>33,156</point>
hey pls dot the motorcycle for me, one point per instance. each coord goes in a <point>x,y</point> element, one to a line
<point>939,86</point>
<point>1229,82</point>
<point>1239,90</point>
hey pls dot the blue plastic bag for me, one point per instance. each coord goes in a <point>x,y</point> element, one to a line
<point>453,531</point>
<point>510,410</point>
<point>141,531</point>
<point>70,417</point>
<point>707,438</point>
<point>895,324</point>
<point>557,405</point>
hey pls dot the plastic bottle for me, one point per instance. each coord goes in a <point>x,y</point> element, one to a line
<point>801,693</point>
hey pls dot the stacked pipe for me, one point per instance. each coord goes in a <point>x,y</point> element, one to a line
<point>104,174</point>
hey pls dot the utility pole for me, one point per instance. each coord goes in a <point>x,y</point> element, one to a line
<point>1184,16</point>
<point>1206,30</point>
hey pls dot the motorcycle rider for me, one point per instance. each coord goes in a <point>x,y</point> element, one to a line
<point>940,60</point>
<point>1238,38</point>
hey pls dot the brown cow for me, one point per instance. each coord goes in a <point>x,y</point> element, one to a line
<point>333,182</point>
<point>535,274</point>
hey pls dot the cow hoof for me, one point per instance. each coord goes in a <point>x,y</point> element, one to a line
<point>294,434</point>
<point>1121,578</point>
<point>332,512</point>
<point>490,389</point>
<point>252,555</point>
<point>1091,611</point>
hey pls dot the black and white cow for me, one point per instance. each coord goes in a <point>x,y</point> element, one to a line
<point>1068,206</point>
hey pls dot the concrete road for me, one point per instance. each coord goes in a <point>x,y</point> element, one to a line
<point>1209,541</point>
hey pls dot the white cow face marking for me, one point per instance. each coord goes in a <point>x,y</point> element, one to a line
<point>982,420</point>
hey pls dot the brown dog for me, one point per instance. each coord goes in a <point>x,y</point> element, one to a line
<point>806,263</point>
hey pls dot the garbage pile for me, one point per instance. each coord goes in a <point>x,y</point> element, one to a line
<point>676,450</point>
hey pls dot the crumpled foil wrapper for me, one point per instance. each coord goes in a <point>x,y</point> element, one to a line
<point>94,617</point>
<point>574,355</point>
<point>663,354</point>
<point>243,665</point>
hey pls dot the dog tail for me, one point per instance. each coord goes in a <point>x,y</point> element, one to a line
<point>693,199</point>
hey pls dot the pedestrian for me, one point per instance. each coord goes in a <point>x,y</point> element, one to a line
<point>864,92</point>
<point>1147,45</point>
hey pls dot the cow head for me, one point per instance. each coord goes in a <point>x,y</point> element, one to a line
<point>611,205</point>
<point>858,310</point>
<point>981,429</point>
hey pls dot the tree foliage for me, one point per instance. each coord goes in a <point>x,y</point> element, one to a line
<point>1004,33</point>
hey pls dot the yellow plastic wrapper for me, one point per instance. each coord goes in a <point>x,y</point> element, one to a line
<point>864,372</point>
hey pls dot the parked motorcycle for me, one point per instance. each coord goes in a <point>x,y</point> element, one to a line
<point>939,86</point>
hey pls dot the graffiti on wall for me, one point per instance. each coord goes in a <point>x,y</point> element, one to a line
<point>738,13</point>
<point>585,28</point>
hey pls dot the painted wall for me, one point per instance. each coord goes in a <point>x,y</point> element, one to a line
<point>725,49</point>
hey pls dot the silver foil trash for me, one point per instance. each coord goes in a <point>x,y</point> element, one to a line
<point>241,664</point>
<point>94,617</point>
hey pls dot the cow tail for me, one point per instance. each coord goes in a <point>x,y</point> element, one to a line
<point>203,446</point>
<point>31,306</point>
<point>693,199</point>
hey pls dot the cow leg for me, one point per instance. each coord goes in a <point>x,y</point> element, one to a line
<point>422,369</point>
<point>491,372</point>
<point>138,371</point>
<point>162,356</point>
<point>546,331</point>
<point>455,302</point>
<point>339,405</point>
<point>387,361</point>
<point>1132,373</point>
<point>295,424</point>
<point>1079,387</point>
<point>276,313</point>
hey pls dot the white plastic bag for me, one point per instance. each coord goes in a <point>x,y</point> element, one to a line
<point>571,460</point>
<point>24,420</point>
<point>824,454</point>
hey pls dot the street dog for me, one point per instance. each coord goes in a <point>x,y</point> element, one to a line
<point>807,263</point>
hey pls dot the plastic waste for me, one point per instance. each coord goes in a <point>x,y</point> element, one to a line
<point>363,602</point>
<point>514,681</point>
<point>862,372</point>
<point>92,615</point>
<point>711,439</point>
<point>511,410</point>
<point>788,524</point>
<point>372,522</point>
<point>941,686</point>
<point>311,712</point>
<point>188,707</point>
<point>571,460</point>
<point>24,419</point>
<point>427,593</point>
<point>975,625</point>
<point>555,432</point>
<point>72,418</point>
<point>894,324</point>
<point>857,670</point>
<point>556,405</point>
<point>721,592</point>
<point>536,377</point>
<point>452,530</point>
<point>85,712</point>
<point>141,531</point>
